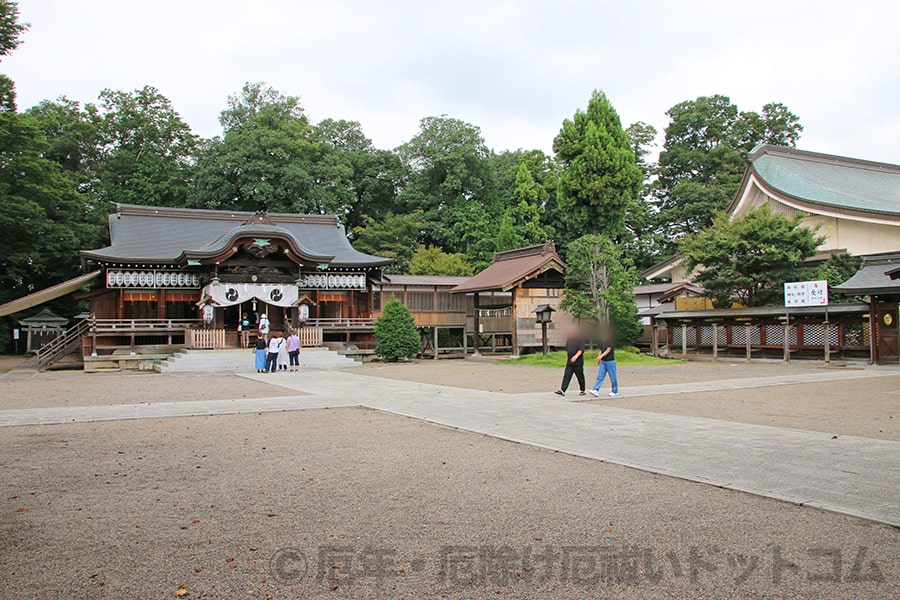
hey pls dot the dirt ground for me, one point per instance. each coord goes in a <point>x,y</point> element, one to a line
<point>76,388</point>
<point>865,407</point>
<point>351,503</point>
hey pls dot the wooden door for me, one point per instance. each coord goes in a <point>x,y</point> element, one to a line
<point>887,329</point>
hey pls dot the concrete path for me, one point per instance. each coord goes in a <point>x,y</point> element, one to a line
<point>851,475</point>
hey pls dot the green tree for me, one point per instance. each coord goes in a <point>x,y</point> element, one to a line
<point>11,28</point>
<point>600,179</point>
<point>840,267</point>
<point>432,260</point>
<point>372,177</point>
<point>395,236</point>
<point>266,159</point>
<point>447,162</point>
<point>145,149</point>
<point>396,335</point>
<point>642,136</point>
<point>750,258</point>
<point>600,285</point>
<point>701,165</point>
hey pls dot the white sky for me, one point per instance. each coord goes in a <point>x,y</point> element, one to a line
<point>516,69</point>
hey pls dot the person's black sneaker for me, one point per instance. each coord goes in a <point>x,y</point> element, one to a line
<point>559,393</point>
<point>581,393</point>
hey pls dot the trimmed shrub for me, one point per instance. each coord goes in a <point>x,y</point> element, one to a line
<point>396,335</point>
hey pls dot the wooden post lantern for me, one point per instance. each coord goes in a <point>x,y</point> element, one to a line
<point>543,316</point>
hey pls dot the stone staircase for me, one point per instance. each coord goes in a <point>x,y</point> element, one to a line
<point>237,360</point>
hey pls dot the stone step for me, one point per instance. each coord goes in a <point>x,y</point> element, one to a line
<point>236,360</point>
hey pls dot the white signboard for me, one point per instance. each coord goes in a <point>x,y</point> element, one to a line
<point>806,293</point>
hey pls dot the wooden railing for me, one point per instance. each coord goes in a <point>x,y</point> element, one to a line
<point>141,326</point>
<point>204,339</point>
<point>62,344</point>
<point>310,337</point>
<point>342,323</point>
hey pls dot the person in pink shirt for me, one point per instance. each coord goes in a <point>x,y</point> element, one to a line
<point>293,348</point>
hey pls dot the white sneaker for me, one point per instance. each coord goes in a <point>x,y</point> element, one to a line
<point>613,394</point>
<point>595,393</point>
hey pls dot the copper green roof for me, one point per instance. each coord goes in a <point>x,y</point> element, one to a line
<point>828,180</point>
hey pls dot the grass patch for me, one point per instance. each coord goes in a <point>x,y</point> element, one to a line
<point>558,359</point>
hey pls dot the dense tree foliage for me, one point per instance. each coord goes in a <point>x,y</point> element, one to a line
<point>701,165</point>
<point>432,260</point>
<point>751,257</point>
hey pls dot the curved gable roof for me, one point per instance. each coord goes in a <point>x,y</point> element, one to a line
<point>827,180</point>
<point>168,235</point>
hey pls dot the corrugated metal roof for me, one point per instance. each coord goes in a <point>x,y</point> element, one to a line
<point>512,267</point>
<point>829,180</point>
<point>148,234</point>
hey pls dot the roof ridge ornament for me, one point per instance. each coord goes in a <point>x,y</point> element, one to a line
<point>260,217</point>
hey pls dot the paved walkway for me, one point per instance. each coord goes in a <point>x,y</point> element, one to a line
<point>851,475</point>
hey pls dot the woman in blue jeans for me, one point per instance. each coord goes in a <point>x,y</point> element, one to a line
<point>607,365</point>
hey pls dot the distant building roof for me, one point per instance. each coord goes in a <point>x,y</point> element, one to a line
<point>147,234</point>
<point>667,288</point>
<point>874,277</point>
<point>44,316</point>
<point>514,267</point>
<point>424,280</point>
<point>825,181</point>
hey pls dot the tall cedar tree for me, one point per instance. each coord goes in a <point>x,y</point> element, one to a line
<point>600,178</point>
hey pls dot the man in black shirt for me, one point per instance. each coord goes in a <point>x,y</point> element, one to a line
<point>574,361</point>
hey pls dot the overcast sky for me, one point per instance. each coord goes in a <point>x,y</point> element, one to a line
<point>516,69</point>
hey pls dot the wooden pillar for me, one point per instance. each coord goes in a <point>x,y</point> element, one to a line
<point>545,345</point>
<point>476,321</point>
<point>748,328</point>
<point>515,332</point>
<point>683,340</point>
<point>654,336</point>
<point>715,341</point>
<point>826,326</point>
<point>873,338</point>
<point>161,304</point>
<point>120,305</point>
<point>435,343</point>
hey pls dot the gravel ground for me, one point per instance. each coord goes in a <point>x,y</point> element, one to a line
<point>865,407</point>
<point>76,388</point>
<point>382,506</point>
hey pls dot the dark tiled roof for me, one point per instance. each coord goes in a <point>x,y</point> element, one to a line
<point>168,235</point>
<point>512,268</point>
<point>873,277</point>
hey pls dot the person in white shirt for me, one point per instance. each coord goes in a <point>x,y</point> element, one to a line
<point>264,326</point>
<point>275,344</point>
